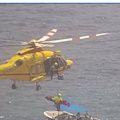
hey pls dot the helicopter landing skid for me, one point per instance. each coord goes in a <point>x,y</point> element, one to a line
<point>38,87</point>
<point>61,77</point>
<point>14,85</point>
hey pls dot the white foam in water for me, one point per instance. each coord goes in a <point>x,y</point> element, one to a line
<point>1,117</point>
<point>118,94</point>
<point>10,115</point>
<point>9,102</point>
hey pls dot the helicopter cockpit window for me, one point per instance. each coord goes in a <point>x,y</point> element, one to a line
<point>18,62</point>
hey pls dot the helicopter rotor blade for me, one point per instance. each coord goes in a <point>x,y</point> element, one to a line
<point>48,35</point>
<point>24,43</point>
<point>44,45</point>
<point>13,43</point>
<point>76,38</point>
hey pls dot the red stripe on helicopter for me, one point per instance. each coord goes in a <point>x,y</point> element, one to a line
<point>15,74</point>
<point>77,38</point>
<point>49,35</point>
<point>53,31</point>
<point>91,36</point>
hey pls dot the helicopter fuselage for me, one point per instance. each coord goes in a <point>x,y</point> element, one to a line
<point>32,64</point>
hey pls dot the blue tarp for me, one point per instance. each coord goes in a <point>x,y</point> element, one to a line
<point>73,107</point>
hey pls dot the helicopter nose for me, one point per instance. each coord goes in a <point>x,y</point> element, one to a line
<point>69,63</point>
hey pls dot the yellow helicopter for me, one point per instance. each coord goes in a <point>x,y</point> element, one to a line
<point>34,63</point>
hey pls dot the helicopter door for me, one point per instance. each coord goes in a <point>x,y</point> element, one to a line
<point>37,70</point>
<point>47,64</point>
